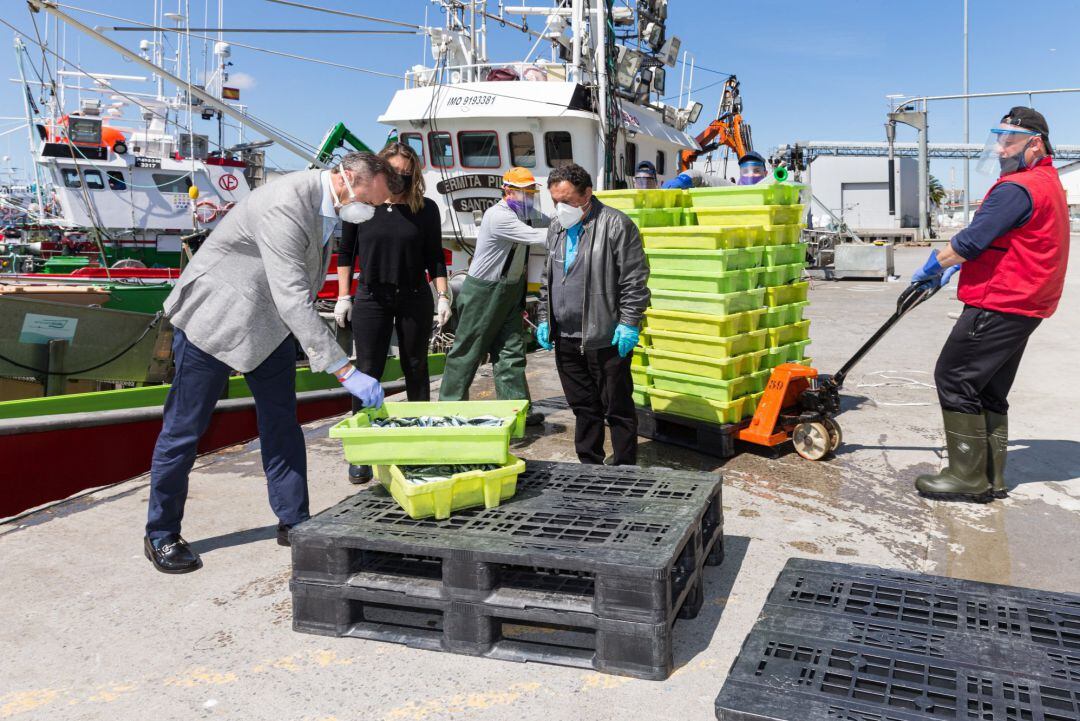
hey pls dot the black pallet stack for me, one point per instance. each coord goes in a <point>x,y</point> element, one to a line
<point>586,566</point>
<point>711,439</point>
<point>859,643</point>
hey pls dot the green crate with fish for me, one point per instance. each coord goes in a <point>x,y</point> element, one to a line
<point>425,491</point>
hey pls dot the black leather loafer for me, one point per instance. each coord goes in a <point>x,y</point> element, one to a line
<point>283,535</point>
<point>171,554</point>
<point>359,474</point>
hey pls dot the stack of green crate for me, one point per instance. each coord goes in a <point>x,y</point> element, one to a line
<point>727,302</point>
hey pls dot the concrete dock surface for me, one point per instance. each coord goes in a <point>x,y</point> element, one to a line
<point>93,632</point>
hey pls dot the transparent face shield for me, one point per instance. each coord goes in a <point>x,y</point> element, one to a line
<point>523,201</point>
<point>1004,151</point>
<point>645,182</point>
<point>751,173</point>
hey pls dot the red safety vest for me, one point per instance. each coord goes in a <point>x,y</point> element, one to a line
<point>1023,271</point>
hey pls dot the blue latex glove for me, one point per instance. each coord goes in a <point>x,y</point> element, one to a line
<point>543,336</point>
<point>949,273</point>
<point>625,338</point>
<point>572,237</point>
<point>366,388</point>
<point>932,273</point>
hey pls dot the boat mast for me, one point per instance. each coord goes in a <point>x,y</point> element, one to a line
<point>601,66</point>
<point>49,7</point>
<point>20,51</point>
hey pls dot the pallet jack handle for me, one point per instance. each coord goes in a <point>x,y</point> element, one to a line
<point>914,295</point>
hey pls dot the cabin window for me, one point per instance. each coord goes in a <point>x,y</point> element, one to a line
<point>631,159</point>
<point>170,183</point>
<point>93,180</point>
<point>559,148</point>
<point>416,142</point>
<point>479,149</point>
<point>522,150</point>
<point>71,178</point>
<point>661,162</point>
<point>442,150</point>
<point>116,180</point>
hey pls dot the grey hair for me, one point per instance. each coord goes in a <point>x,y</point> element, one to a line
<point>365,166</point>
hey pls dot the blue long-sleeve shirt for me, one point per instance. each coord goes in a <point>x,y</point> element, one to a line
<point>1007,207</point>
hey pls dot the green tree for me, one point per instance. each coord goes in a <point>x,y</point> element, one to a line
<point>937,192</point>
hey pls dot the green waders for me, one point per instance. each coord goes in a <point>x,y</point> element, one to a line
<point>489,322</point>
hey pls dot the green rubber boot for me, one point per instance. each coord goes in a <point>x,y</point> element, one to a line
<point>997,435</point>
<point>965,478</point>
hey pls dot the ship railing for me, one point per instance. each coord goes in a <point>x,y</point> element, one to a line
<point>536,71</point>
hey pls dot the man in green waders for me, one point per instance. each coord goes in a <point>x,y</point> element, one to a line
<point>490,303</point>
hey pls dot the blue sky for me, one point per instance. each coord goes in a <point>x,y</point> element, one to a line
<point>809,70</point>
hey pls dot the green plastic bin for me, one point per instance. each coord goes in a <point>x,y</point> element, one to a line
<point>711,388</point>
<point>779,275</point>
<point>709,303</point>
<point>368,445</point>
<point>786,294</point>
<point>640,394</point>
<point>705,366</point>
<point>462,490</point>
<point>790,353</point>
<point>639,374</point>
<point>702,237</point>
<point>783,254</point>
<point>713,261</point>
<point>712,346</point>
<point>639,358</point>
<point>701,324</point>
<point>623,200</point>
<point>699,281</point>
<point>655,217</point>
<point>790,333</point>
<point>750,215</point>
<point>781,234</point>
<point>702,409</point>
<point>763,193</point>
<point>783,315</point>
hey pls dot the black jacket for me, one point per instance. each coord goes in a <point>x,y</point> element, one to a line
<point>616,271</point>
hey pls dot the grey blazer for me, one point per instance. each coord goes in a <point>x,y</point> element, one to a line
<point>256,277</point>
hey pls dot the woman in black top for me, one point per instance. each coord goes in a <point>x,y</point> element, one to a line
<point>399,249</point>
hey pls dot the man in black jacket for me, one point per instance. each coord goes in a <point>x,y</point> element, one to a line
<point>592,298</point>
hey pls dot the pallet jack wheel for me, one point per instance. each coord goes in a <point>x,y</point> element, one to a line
<point>812,440</point>
<point>836,435</point>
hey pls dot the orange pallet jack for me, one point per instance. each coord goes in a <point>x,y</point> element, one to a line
<point>801,405</point>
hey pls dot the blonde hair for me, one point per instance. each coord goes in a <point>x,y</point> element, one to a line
<point>415,199</point>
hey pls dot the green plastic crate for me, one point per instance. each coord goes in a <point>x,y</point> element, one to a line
<point>655,217</point>
<point>702,409</point>
<point>698,281</point>
<point>763,193</point>
<point>750,215</point>
<point>711,346</point>
<point>783,314</point>
<point>462,490</point>
<point>786,294</point>
<point>624,200</point>
<point>779,275</point>
<point>708,303</point>
<point>713,261</point>
<point>705,366</point>
<point>639,374</point>
<point>367,445</point>
<point>701,324</point>
<point>783,254</point>
<point>640,395</point>
<point>790,353</point>
<point>702,237</point>
<point>639,359</point>
<point>790,333</point>
<point>781,234</point>
<point>711,388</point>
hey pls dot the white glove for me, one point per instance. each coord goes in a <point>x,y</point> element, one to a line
<point>442,312</point>
<point>343,310</point>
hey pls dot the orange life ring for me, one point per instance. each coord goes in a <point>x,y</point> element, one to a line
<point>206,218</point>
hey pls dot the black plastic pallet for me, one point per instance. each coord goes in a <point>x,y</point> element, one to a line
<point>859,643</point>
<point>712,439</point>
<point>624,544</point>
<point>567,638</point>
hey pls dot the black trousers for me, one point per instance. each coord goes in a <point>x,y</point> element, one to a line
<point>379,311</point>
<point>978,364</point>
<point>598,387</point>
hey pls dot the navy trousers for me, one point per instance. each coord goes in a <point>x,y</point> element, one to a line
<point>197,386</point>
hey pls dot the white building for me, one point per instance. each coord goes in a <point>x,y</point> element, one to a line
<point>856,189</point>
<point>1070,178</point>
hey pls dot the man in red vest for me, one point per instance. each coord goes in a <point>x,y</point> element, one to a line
<point>1014,255</point>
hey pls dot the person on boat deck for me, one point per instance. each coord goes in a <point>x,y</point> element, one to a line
<point>645,176</point>
<point>592,298</point>
<point>398,250</point>
<point>1014,256</point>
<point>245,295</point>
<point>492,298</point>
<point>751,169</point>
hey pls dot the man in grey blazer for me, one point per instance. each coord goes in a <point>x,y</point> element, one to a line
<point>248,291</point>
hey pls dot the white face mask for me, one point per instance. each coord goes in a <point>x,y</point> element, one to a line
<point>355,211</point>
<point>568,215</point>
